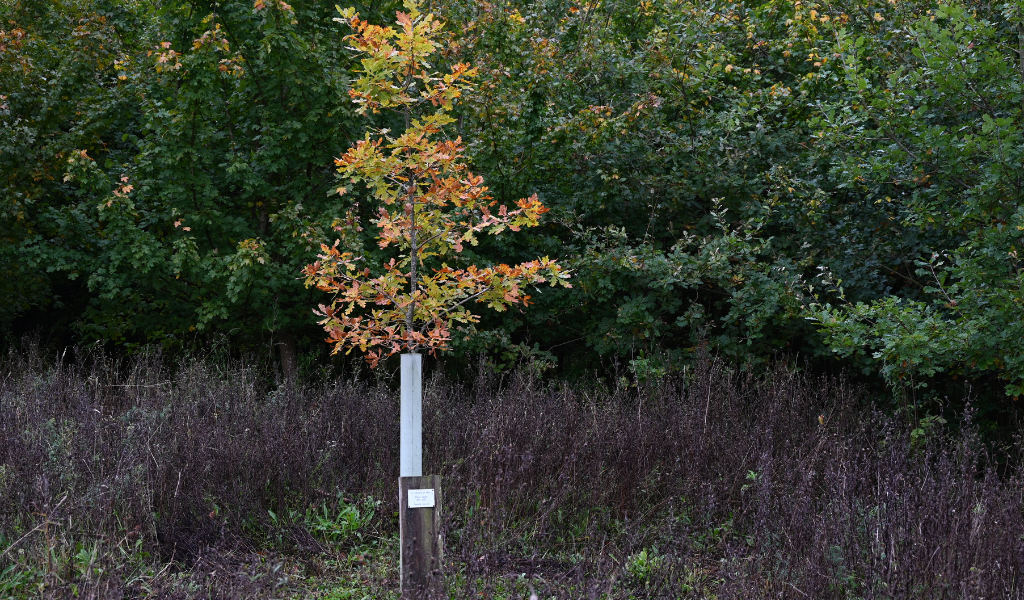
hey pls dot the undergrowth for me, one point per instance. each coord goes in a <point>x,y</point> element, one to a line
<point>136,478</point>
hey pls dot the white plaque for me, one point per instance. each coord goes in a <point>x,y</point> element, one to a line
<point>421,498</point>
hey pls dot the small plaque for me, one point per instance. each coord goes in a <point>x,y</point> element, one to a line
<point>421,498</point>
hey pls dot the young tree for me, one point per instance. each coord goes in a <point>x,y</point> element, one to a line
<point>431,206</point>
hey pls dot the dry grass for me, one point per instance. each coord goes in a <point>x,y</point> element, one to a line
<point>201,479</point>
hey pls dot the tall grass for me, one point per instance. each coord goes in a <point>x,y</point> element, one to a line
<point>202,478</point>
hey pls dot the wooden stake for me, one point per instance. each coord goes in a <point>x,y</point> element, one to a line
<point>422,552</point>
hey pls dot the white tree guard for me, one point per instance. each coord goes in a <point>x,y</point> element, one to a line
<point>411,456</point>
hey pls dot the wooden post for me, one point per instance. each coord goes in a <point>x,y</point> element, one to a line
<point>419,517</point>
<point>419,497</point>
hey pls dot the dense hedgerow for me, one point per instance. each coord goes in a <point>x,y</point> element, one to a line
<point>137,478</point>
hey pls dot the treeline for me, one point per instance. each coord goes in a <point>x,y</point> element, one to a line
<point>825,180</point>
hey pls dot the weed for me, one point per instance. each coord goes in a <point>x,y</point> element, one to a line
<point>140,479</point>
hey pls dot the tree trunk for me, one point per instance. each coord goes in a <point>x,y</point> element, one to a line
<point>264,218</point>
<point>288,346</point>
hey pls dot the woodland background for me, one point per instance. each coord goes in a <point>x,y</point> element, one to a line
<point>788,366</point>
<point>837,183</point>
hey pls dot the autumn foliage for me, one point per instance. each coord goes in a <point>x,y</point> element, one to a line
<point>430,206</point>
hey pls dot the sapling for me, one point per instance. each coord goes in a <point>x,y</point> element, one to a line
<point>429,206</point>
